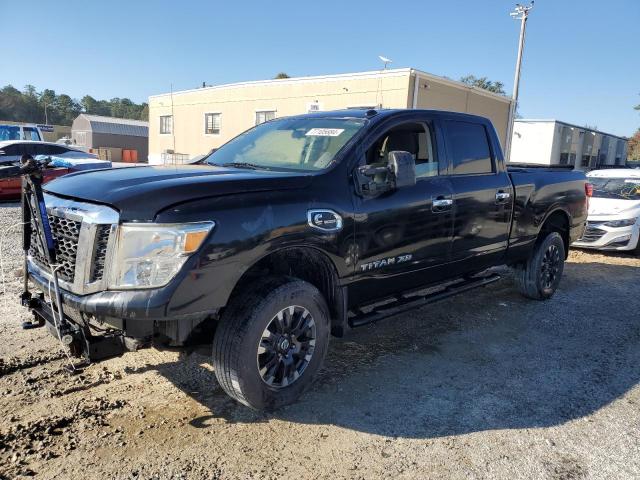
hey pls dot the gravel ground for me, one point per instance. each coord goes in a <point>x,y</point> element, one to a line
<point>486,385</point>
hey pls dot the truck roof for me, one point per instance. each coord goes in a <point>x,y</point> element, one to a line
<point>387,112</point>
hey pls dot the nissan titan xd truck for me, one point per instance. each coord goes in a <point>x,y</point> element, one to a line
<point>296,230</point>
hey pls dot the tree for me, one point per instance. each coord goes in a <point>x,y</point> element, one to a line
<point>485,83</point>
<point>29,106</point>
<point>633,150</point>
<point>144,113</point>
<point>281,75</point>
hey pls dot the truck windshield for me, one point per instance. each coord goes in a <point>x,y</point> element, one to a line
<point>287,144</point>
<point>621,188</point>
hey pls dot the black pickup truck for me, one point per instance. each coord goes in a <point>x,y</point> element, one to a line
<point>297,229</point>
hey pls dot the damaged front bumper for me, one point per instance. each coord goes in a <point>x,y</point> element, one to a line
<point>125,320</point>
<point>75,333</point>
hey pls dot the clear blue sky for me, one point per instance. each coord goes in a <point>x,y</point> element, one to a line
<point>581,59</point>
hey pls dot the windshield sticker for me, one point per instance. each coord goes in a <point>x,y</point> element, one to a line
<point>324,132</point>
<point>632,180</point>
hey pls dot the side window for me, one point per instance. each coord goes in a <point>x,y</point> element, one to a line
<point>415,138</point>
<point>31,134</point>
<point>468,146</point>
<point>31,149</point>
<point>49,149</point>
<point>12,150</point>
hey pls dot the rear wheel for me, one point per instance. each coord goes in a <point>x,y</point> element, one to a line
<point>271,341</point>
<point>539,277</point>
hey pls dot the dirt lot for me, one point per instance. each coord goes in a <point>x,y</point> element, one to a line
<point>488,385</point>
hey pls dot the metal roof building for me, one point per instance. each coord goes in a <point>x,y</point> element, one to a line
<point>95,132</point>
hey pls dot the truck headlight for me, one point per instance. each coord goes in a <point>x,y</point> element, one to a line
<point>621,223</point>
<point>150,255</point>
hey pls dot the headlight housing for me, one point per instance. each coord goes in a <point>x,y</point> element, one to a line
<point>150,255</point>
<point>626,222</point>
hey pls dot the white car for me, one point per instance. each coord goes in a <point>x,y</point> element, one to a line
<point>614,211</point>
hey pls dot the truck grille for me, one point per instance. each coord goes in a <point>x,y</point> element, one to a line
<point>592,233</point>
<point>65,234</point>
<point>102,240</point>
<point>83,235</point>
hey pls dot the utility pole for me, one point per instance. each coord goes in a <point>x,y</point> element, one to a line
<point>46,118</point>
<point>521,12</point>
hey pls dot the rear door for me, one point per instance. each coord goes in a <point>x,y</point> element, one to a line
<point>399,234</point>
<point>482,194</point>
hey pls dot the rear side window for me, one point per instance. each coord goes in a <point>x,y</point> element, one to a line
<point>11,150</point>
<point>468,147</point>
<point>31,134</point>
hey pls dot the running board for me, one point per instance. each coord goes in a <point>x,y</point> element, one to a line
<point>403,302</point>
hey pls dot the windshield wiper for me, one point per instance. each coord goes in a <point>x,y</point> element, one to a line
<point>251,166</point>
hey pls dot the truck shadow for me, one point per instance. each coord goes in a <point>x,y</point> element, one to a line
<point>488,360</point>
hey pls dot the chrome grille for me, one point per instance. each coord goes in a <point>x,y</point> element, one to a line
<point>592,233</point>
<point>65,234</point>
<point>84,236</point>
<point>102,241</point>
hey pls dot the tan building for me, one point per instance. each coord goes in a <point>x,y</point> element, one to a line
<point>189,123</point>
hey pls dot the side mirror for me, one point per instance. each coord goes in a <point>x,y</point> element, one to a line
<point>402,166</point>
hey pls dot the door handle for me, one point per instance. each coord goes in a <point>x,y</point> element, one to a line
<point>441,204</point>
<point>502,197</point>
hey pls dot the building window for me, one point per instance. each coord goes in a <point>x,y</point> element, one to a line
<point>314,107</point>
<point>166,124</point>
<point>212,124</point>
<point>564,158</point>
<point>264,116</point>
<point>585,160</point>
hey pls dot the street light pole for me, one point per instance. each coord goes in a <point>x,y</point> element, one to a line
<point>521,12</point>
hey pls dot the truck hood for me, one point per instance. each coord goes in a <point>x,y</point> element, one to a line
<point>139,193</point>
<point>602,207</point>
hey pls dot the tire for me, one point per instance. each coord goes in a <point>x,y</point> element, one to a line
<point>257,321</point>
<point>539,277</point>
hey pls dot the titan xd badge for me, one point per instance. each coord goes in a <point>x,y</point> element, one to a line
<point>324,220</point>
<point>385,262</point>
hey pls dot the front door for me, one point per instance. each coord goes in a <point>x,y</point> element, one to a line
<point>401,233</point>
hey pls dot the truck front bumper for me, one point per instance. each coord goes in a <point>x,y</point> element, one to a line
<point>131,314</point>
<point>136,305</point>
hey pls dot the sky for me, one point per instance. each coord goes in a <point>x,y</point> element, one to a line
<point>581,60</point>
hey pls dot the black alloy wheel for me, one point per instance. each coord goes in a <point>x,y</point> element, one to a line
<point>286,346</point>
<point>550,266</point>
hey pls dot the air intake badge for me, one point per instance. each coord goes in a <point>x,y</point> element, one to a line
<point>324,220</point>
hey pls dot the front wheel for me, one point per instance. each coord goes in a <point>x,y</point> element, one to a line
<point>271,341</point>
<point>539,277</point>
